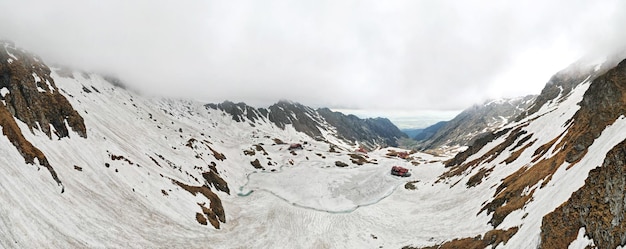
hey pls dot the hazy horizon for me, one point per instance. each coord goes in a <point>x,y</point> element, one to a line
<point>405,119</point>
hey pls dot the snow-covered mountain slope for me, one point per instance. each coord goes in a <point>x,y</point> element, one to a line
<point>473,122</point>
<point>551,175</point>
<point>124,170</point>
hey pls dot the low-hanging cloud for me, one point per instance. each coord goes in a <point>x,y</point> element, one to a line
<point>344,54</point>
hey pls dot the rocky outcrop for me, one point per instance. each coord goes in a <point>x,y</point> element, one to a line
<point>215,212</point>
<point>214,179</point>
<point>598,207</point>
<point>29,94</point>
<point>604,102</point>
<point>24,147</point>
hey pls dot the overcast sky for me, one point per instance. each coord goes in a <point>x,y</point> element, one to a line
<point>402,55</point>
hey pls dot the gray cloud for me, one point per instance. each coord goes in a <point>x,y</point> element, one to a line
<point>346,54</point>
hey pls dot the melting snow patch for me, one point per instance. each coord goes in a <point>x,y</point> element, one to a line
<point>36,77</point>
<point>4,91</point>
<point>581,241</point>
<point>9,53</point>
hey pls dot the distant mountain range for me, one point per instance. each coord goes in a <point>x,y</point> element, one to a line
<point>369,133</point>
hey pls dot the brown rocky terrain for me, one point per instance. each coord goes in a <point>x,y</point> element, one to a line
<point>598,207</point>
<point>215,212</point>
<point>33,97</point>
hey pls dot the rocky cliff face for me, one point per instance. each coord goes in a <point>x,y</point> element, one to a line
<point>475,122</point>
<point>371,132</point>
<point>599,205</point>
<point>29,94</point>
